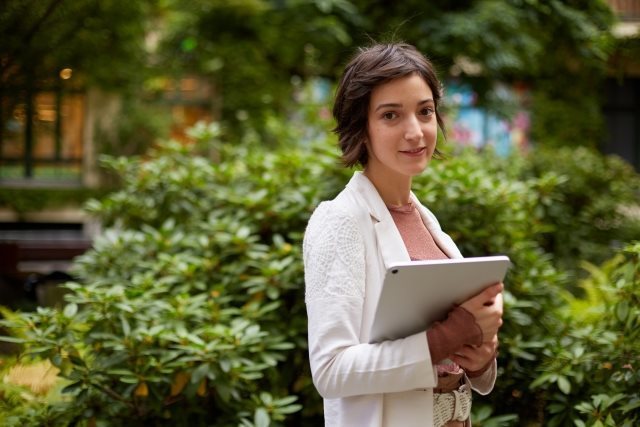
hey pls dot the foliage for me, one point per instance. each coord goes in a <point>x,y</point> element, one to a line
<point>252,50</point>
<point>569,119</point>
<point>506,38</point>
<point>191,302</point>
<point>24,200</point>
<point>197,248</point>
<point>140,124</point>
<point>586,204</point>
<point>559,49</point>
<point>25,387</point>
<point>593,209</point>
<point>178,315</point>
<point>103,41</point>
<point>590,374</point>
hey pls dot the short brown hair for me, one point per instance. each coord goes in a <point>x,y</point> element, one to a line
<point>370,67</point>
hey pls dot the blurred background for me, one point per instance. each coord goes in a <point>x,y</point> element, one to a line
<point>83,78</point>
<point>542,107</point>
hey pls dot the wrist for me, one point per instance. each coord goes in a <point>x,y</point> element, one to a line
<point>446,337</point>
<point>479,372</point>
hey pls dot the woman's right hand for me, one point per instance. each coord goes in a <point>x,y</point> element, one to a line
<point>486,308</point>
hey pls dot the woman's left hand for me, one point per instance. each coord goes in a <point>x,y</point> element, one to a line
<point>473,358</point>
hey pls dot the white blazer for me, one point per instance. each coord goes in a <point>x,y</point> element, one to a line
<point>348,244</point>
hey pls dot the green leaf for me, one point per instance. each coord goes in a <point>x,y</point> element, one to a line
<point>12,339</point>
<point>564,385</point>
<point>129,380</point>
<point>70,310</point>
<point>40,349</point>
<point>199,373</point>
<point>126,329</point>
<point>225,365</point>
<point>482,413</point>
<point>285,401</point>
<point>631,406</point>
<point>266,398</point>
<point>120,372</point>
<point>622,310</point>
<point>610,421</point>
<point>289,409</point>
<point>72,387</point>
<point>77,360</point>
<point>261,418</point>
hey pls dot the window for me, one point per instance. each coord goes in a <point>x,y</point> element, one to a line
<point>41,135</point>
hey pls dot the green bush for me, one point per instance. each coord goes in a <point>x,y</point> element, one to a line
<point>594,209</point>
<point>189,310</point>
<point>25,200</point>
<point>179,313</point>
<point>590,374</point>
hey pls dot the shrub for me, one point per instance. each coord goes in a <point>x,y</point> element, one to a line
<point>178,315</point>
<point>190,310</point>
<point>594,209</point>
<point>590,374</point>
<point>25,200</point>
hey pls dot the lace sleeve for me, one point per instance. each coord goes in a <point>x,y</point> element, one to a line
<point>334,255</point>
<point>335,274</point>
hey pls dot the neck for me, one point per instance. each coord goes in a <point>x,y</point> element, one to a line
<point>394,191</point>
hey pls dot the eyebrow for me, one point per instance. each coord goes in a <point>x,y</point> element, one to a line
<point>398,105</point>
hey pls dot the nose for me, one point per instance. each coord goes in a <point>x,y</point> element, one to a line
<point>413,130</point>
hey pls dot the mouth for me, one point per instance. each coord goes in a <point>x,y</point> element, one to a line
<point>415,151</point>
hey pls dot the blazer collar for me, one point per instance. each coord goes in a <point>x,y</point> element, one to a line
<point>390,243</point>
<point>370,196</point>
<point>376,206</point>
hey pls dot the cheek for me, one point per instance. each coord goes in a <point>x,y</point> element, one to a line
<point>431,131</point>
<point>375,135</point>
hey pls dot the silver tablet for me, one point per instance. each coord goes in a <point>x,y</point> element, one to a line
<point>418,293</point>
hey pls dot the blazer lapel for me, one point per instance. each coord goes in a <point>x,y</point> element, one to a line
<point>390,243</point>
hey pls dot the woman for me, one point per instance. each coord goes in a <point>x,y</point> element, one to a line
<point>386,110</point>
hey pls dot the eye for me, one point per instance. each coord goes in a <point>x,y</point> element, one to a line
<point>427,111</point>
<point>389,115</point>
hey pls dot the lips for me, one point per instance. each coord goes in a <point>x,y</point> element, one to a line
<point>414,151</point>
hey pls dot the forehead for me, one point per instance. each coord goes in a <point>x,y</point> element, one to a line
<point>406,89</point>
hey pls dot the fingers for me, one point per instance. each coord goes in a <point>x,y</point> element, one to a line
<point>493,290</point>
<point>486,308</point>
<point>491,323</point>
<point>471,352</point>
<point>469,362</point>
<point>486,297</point>
<point>498,301</point>
<point>473,358</point>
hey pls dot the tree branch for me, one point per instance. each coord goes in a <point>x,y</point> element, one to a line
<point>29,36</point>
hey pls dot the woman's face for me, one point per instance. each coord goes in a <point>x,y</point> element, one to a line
<point>402,128</point>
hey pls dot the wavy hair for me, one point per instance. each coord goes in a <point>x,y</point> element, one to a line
<point>370,67</point>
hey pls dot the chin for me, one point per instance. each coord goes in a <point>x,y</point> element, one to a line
<point>417,170</point>
<point>423,165</point>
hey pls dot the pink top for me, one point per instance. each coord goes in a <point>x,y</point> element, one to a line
<point>415,235</point>
<point>421,246</point>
